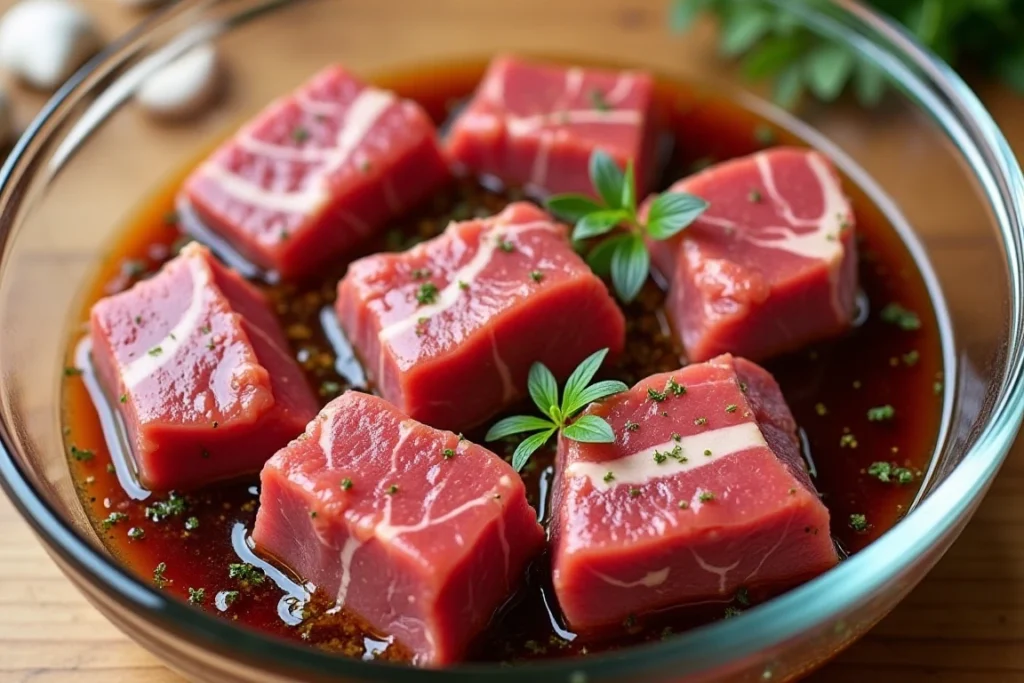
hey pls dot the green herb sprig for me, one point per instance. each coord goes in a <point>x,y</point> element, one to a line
<point>772,42</point>
<point>623,255</point>
<point>577,395</point>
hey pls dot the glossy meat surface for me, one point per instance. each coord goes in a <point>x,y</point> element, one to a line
<point>536,124</point>
<point>317,172</point>
<point>771,266</point>
<point>704,492</point>
<point>419,532</point>
<point>448,330</point>
<point>200,371</point>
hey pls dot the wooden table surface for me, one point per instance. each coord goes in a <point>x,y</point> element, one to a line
<point>963,624</point>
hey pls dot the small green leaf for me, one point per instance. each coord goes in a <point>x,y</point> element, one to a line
<point>528,446</point>
<point>589,429</point>
<point>593,393</point>
<point>598,223</point>
<point>517,424</point>
<point>630,266</point>
<point>771,56</point>
<point>600,257</point>
<point>743,28</point>
<point>543,388</point>
<point>629,189</point>
<point>684,13</point>
<point>673,211</point>
<point>572,207</point>
<point>579,379</point>
<point>868,84</point>
<point>607,178</point>
<point>828,69</point>
<point>788,87</point>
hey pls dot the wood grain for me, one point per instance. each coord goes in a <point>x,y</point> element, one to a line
<point>963,624</point>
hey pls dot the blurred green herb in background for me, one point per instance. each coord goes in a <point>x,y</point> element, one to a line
<point>982,36</point>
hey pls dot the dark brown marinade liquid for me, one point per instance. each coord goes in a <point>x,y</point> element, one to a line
<point>829,386</point>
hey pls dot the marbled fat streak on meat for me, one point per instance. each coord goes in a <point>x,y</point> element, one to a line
<point>360,118</point>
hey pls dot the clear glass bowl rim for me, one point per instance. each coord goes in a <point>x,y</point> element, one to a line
<point>925,79</point>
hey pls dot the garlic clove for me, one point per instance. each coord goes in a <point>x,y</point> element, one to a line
<point>42,42</point>
<point>184,87</point>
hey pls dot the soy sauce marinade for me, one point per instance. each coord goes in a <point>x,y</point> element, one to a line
<point>868,468</point>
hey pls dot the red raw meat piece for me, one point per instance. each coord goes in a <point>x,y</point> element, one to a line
<point>419,532</point>
<point>504,292</point>
<point>770,266</point>
<point>635,526</point>
<point>537,124</point>
<point>200,371</point>
<point>318,172</point>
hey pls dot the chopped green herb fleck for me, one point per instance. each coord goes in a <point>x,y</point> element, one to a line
<point>229,597</point>
<point>910,358</point>
<point>706,496</point>
<point>124,398</point>
<point>196,596</point>
<point>881,471</point>
<point>205,329</point>
<point>707,452</point>
<point>138,320</point>
<point>858,522</point>
<point>72,372</point>
<point>903,475</point>
<point>660,457</point>
<point>881,413</point>
<point>448,453</point>
<point>820,409</point>
<point>312,514</point>
<point>246,573</point>
<point>536,275</point>
<point>174,506</point>
<point>191,524</point>
<point>765,135</point>
<point>597,99</point>
<point>792,491</point>
<point>110,468</point>
<point>300,134</point>
<point>700,421</point>
<point>211,345</point>
<point>609,477</point>
<point>112,519</point>
<point>754,196</point>
<point>655,395</point>
<point>463,285</point>
<point>159,580</point>
<point>393,489</point>
<point>743,387</point>
<point>683,505</point>
<point>346,484</point>
<point>731,408</point>
<point>420,273</point>
<point>634,492</point>
<point>901,317</point>
<point>427,293</point>
<point>330,388</point>
<point>675,387</point>
<point>847,441</point>
<point>632,426</point>
<point>505,245</point>
<point>155,351</point>
<point>937,388</point>
<point>136,533</point>
<point>742,596</point>
<point>676,436</point>
<point>731,612</point>
<point>81,454</point>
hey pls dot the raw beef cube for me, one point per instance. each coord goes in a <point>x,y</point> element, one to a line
<point>448,330</point>
<point>536,124</point>
<point>317,172</point>
<point>703,492</point>
<point>200,371</point>
<point>770,266</point>
<point>418,531</point>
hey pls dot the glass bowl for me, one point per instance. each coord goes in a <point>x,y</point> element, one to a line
<point>931,151</point>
